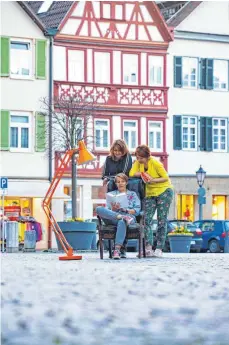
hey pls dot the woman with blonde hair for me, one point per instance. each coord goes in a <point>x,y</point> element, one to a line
<point>159,195</point>
<point>118,161</point>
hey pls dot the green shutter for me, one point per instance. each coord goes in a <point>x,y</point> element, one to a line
<point>5,129</point>
<point>208,134</point>
<point>203,73</point>
<point>177,71</point>
<point>5,56</point>
<point>41,59</point>
<point>202,133</point>
<point>209,74</point>
<point>40,132</point>
<point>177,142</point>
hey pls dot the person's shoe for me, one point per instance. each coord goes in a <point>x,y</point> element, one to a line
<point>128,219</point>
<point>158,253</point>
<point>116,254</point>
<point>149,253</point>
<point>123,253</point>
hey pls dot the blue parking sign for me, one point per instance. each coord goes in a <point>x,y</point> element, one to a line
<point>4,182</point>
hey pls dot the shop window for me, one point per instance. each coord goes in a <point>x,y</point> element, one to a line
<point>218,207</point>
<point>68,203</point>
<point>98,192</point>
<point>67,190</point>
<point>185,207</point>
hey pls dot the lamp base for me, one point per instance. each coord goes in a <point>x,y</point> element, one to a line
<point>71,257</point>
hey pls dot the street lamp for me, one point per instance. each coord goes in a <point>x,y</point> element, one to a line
<point>200,176</point>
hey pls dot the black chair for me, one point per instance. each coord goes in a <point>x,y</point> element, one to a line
<point>134,231</point>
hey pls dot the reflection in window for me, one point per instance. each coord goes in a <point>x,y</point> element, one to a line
<point>219,129</point>
<point>220,74</point>
<point>102,134</point>
<point>130,69</point>
<point>189,72</point>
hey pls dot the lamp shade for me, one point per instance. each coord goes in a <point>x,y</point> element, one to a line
<point>84,155</point>
<point>200,175</point>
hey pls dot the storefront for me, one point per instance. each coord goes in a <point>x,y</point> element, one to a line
<point>219,207</point>
<point>186,207</point>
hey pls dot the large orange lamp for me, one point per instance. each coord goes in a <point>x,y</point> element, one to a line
<point>84,157</point>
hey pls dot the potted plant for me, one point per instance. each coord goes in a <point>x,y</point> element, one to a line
<point>78,233</point>
<point>180,240</point>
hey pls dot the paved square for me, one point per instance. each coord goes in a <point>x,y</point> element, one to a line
<point>181,299</point>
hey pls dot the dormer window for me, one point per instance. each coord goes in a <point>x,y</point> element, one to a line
<point>45,6</point>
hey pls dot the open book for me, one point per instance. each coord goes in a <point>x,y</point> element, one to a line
<point>117,198</point>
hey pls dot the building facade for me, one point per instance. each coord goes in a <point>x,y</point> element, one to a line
<point>24,81</point>
<point>199,108</point>
<point>115,53</point>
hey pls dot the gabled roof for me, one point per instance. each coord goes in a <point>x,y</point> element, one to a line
<point>183,13</point>
<point>32,15</point>
<point>55,14</point>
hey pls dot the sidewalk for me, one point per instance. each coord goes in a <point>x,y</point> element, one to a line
<point>181,299</point>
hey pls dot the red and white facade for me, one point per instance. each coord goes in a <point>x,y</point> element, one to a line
<point>115,53</point>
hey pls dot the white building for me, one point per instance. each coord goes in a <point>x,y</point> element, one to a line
<point>198,77</point>
<point>24,81</point>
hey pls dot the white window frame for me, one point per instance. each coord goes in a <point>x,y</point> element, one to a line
<point>101,129</point>
<point>157,64</point>
<point>187,65</point>
<point>30,58</point>
<point>129,130</point>
<point>74,65</point>
<point>224,75</point>
<point>20,126</point>
<point>155,131</point>
<point>219,128</point>
<point>102,72</point>
<point>128,66</point>
<point>189,126</point>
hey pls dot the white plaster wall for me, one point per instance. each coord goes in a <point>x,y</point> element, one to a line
<point>208,17</point>
<point>116,127</point>
<point>117,67</point>
<point>143,130</point>
<point>59,63</point>
<point>196,102</point>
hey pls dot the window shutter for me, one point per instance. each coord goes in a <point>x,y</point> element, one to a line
<point>177,71</point>
<point>209,74</point>
<point>208,134</point>
<point>40,132</point>
<point>202,133</point>
<point>5,56</point>
<point>203,73</point>
<point>5,129</point>
<point>41,59</point>
<point>177,142</point>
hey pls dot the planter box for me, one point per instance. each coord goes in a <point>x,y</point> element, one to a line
<point>78,234</point>
<point>180,243</point>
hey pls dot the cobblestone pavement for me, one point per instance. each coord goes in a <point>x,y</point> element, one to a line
<point>180,299</point>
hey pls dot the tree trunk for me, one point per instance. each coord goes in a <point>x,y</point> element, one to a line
<point>74,186</point>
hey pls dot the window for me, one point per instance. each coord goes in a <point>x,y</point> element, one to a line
<point>21,59</point>
<point>76,65</point>
<point>130,131</point>
<point>155,136</point>
<point>208,226</point>
<point>20,132</point>
<point>102,67</point>
<point>102,138</point>
<point>98,192</point>
<point>189,72</point>
<point>185,207</point>
<point>219,207</point>
<point>130,69</point>
<point>155,70</point>
<point>220,75</point>
<point>219,129</point>
<point>189,133</point>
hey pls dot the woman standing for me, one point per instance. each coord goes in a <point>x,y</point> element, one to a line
<point>119,161</point>
<point>159,195</point>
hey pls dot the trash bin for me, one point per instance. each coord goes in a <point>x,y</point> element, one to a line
<point>11,230</point>
<point>30,241</point>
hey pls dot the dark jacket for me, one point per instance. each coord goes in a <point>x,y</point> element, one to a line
<point>112,167</point>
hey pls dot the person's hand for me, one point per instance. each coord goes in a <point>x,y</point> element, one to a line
<point>115,206</point>
<point>137,174</point>
<point>131,211</point>
<point>105,181</point>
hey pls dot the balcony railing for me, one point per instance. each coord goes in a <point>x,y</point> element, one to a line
<point>115,95</point>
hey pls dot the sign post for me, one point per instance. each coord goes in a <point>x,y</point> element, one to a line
<point>4,190</point>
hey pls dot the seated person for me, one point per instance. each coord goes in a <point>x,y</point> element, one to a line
<point>116,215</point>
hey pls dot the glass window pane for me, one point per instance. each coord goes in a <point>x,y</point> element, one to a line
<point>185,120</point>
<point>19,45</point>
<point>158,140</point>
<point>13,137</point>
<point>133,139</point>
<point>25,138</point>
<point>101,123</point>
<point>215,122</point>
<point>105,138</point>
<point>126,137</point>
<point>222,122</point>
<point>129,124</point>
<point>19,119</point>
<point>151,139</point>
<point>97,138</point>
<point>154,125</point>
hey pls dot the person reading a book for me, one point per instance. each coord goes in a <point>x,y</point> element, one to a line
<point>118,161</point>
<point>122,208</point>
<point>159,195</point>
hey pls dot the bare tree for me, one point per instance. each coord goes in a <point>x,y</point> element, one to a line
<point>67,121</point>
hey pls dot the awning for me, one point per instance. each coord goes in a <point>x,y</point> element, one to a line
<point>32,189</point>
